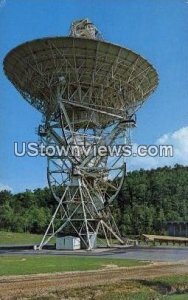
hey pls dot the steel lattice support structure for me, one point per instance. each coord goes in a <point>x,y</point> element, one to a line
<point>83,200</point>
<point>88,91</point>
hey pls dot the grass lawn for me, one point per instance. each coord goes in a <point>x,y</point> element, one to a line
<point>15,238</point>
<point>167,288</point>
<point>17,265</point>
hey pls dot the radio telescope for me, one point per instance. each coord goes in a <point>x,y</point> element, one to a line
<point>88,91</point>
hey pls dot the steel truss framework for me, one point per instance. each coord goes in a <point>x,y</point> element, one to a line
<point>82,183</point>
<point>88,91</point>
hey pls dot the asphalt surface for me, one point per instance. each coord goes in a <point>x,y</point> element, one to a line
<point>150,254</point>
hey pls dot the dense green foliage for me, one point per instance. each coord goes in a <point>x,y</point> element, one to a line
<point>150,198</point>
<point>26,212</point>
<point>147,200</point>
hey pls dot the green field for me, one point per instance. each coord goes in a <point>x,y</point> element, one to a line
<point>15,238</point>
<point>17,265</point>
<point>167,288</point>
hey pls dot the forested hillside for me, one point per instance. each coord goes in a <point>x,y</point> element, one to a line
<point>146,201</point>
<point>150,198</point>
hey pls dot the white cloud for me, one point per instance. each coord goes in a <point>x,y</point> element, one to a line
<point>5,187</point>
<point>179,141</point>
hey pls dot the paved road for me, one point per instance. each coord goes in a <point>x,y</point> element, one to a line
<point>151,254</point>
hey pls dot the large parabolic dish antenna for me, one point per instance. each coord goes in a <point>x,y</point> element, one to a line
<point>88,91</point>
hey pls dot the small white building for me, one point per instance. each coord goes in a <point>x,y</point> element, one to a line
<point>67,243</point>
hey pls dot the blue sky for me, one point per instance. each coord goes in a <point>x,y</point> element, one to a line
<point>156,29</point>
